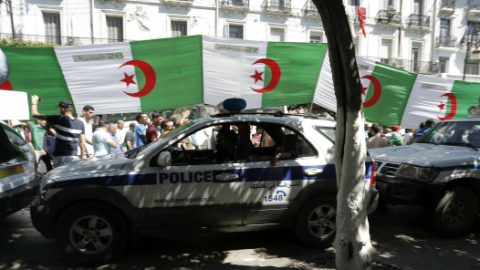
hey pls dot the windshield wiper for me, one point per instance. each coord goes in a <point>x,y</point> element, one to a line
<point>469,145</point>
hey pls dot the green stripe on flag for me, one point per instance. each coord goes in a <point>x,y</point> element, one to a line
<point>37,72</point>
<point>467,96</point>
<point>396,87</point>
<point>300,65</point>
<point>178,66</point>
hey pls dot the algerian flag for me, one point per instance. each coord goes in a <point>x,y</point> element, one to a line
<point>133,77</point>
<point>36,71</point>
<point>264,74</point>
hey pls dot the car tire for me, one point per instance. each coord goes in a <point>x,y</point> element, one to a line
<point>91,233</point>
<point>316,222</point>
<point>456,212</point>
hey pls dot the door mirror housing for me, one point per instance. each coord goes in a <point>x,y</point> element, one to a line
<point>164,159</point>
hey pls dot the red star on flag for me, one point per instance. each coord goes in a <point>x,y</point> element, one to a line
<point>441,106</point>
<point>128,79</point>
<point>257,76</point>
<point>364,90</point>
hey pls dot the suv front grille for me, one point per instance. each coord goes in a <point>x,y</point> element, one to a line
<point>389,169</point>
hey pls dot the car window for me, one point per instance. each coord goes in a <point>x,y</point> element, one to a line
<point>240,142</point>
<point>461,133</point>
<point>15,138</point>
<point>329,132</point>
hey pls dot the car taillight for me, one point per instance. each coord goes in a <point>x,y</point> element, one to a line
<point>372,174</point>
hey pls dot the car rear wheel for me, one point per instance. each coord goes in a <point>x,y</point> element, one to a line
<point>456,212</point>
<point>91,233</point>
<point>316,223</point>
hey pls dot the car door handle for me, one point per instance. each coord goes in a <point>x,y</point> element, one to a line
<point>313,171</point>
<point>225,177</point>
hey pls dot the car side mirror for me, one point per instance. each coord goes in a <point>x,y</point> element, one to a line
<point>164,159</point>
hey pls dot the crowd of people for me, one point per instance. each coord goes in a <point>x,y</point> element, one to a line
<point>63,138</point>
<point>379,136</point>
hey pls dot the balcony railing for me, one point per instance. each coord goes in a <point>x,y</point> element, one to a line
<point>447,7</point>
<point>389,18</point>
<point>447,41</point>
<point>278,7</point>
<point>178,3</point>
<point>62,40</point>
<point>417,21</point>
<point>424,67</point>
<point>240,5</point>
<point>310,10</point>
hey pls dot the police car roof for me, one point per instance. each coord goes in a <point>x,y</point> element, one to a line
<point>274,117</point>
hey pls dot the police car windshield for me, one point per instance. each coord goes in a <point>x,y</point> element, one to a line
<point>166,136</point>
<point>461,133</point>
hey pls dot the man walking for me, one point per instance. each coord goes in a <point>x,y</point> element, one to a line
<point>87,119</point>
<point>70,132</point>
<point>152,130</point>
<point>141,130</point>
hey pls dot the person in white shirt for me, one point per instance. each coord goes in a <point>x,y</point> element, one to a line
<point>102,140</point>
<point>87,119</point>
<point>121,132</point>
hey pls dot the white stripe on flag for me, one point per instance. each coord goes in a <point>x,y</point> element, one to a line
<point>227,70</point>
<point>93,76</point>
<point>424,101</point>
<point>324,93</point>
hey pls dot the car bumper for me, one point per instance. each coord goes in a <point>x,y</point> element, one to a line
<point>402,191</point>
<point>18,198</point>
<point>41,216</point>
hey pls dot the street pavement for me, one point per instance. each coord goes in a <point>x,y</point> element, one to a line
<point>399,235</point>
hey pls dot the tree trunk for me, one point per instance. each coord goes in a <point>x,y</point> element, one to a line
<point>352,242</point>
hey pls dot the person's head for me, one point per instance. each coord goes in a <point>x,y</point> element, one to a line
<point>65,106</point>
<point>88,112</point>
<point>120,124</point>
<point>429,123</point>
<point>472,110</point>
<point>132,126</point>
<point>376,129</point>
<point>408,130</point>
<point>167,125</point>
<point>102,124</point>
<point>157,119</point>
<point>176,119</point>
<point>421,125</point>
<point>112,128</point>
<point>142,118</point>
<point>41,122</point>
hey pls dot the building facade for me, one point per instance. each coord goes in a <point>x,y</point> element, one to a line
<point>424,36</point>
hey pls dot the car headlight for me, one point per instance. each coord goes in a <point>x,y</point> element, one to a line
<point>424,174</point>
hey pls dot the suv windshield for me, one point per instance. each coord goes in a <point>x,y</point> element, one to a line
<point>461,133</point>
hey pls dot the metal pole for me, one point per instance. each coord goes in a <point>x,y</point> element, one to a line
<point>9,4</point>
<point>92,39</point>
<point>434,24</point>
<point>216,18</point>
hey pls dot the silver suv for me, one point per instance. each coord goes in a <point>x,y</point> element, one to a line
<point>224,172</point>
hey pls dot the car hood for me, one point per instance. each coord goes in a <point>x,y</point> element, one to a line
<point>104,165</point>
<point>426,154</point>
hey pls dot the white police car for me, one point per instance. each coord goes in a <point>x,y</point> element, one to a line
<point>207,173</point>
<point>440,171</point>
<point>18,181</point>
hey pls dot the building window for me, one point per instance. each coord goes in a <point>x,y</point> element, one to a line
<point>444,27</point>
<point>472,68</point>
<point>235,31</point>
<point>277,34</point>
<point>386,51</point>
<point>416,55</point>
<point>52,28</point>
<point>179,28</point>
<point>443,64</point>
<point>115,28</point>
<point>418,7</point>
<point>316,37</point>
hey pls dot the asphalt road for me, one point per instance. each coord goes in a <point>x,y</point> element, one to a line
<point>398,234</point>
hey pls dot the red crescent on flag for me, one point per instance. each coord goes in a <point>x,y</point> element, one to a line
<point>276,73</point>
<point>453,110</point>
<point>150,77</point>
<point>6,85</point>
<point>377,91</point>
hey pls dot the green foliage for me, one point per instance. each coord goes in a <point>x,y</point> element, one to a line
<point>22,43</point>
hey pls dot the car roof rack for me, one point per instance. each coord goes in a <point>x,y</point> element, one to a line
<point>275,114</point>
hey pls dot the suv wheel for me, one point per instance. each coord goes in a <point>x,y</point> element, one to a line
<point>456,212</point>
<point>91,233</point>
<point>316,223</point>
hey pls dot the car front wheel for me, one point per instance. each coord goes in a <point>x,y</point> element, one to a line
<point>91,233</point>
<point>456,212</point>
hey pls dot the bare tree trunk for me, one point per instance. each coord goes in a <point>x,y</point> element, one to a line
<point>352,242</point>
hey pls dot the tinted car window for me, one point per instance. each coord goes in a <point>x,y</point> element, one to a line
<point>327,131</point>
